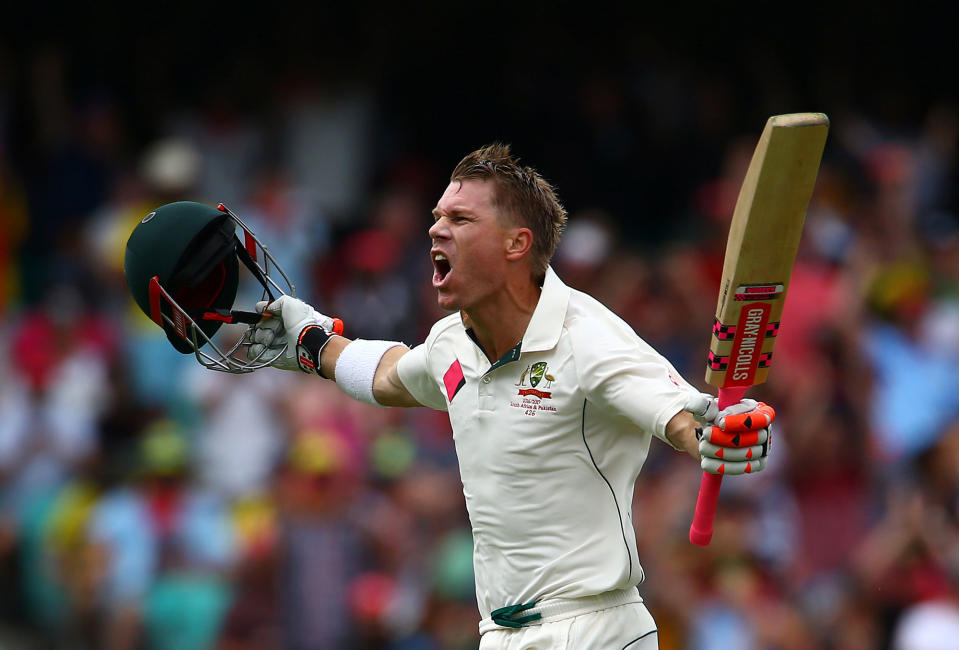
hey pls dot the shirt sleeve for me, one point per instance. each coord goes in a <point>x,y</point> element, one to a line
<point>623,374</point>
<point>414,371</point>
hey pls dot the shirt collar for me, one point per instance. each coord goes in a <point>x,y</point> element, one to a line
<point>546,325</point>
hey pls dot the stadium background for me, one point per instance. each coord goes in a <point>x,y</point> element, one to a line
<point>146,503</point>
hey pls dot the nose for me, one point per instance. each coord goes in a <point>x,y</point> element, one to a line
<point>438,229</point>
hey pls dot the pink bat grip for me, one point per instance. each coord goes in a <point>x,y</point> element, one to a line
<point>701,530</point>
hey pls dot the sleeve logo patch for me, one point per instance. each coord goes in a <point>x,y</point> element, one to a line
<point>454,379</point>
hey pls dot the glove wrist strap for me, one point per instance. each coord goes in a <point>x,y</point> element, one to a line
<point>309,347</point>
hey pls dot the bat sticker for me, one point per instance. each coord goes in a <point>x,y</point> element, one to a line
<point>767,291</point>
<point>747,347</point>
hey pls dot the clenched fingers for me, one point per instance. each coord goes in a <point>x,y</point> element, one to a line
<point>731,468</point>
<point>754,419</point>
<point>717,436</point>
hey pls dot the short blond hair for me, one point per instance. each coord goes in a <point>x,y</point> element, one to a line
<point>520,193</point>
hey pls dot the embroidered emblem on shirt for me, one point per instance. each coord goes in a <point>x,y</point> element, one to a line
<point>537,370</point>
<point>454,379</point>
<point>536,373</point>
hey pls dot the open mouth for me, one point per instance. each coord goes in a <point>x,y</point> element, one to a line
<point>441,269</point>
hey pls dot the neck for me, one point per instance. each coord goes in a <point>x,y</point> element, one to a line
<point>500,322</point>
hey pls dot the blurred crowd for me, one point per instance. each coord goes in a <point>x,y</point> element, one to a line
<point>148,503</point>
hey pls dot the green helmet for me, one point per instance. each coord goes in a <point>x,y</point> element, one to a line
<point>182,267</point>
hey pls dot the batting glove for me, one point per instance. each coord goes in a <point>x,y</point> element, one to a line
<point>303,330</point>
<point>739,439</point>
<point>703,406</point>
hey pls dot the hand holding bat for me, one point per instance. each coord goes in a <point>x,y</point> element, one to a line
<point>734,440</point>
<point>763,240</point>
<point>738,442</point>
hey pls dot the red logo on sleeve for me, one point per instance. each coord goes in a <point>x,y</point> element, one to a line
<point>454,379</point>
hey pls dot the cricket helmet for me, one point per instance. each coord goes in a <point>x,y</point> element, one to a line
<point>183,267</point>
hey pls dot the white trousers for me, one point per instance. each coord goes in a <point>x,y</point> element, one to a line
<point>626,627</point>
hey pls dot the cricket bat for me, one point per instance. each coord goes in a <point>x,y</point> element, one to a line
<point>763,238</point>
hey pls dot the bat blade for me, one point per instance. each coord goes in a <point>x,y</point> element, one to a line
<point>763,239</point>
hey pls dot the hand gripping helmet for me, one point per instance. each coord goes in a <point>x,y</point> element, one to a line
<point>182,267</point>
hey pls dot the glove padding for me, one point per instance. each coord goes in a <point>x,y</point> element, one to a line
<point>737,442</point>
<point>296,325</point>
<point>703,406</point>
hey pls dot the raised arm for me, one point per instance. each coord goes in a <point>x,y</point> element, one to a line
<point>388,390</point>
<point>365,370</point>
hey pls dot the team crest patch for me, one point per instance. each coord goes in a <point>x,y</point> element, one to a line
<point>536,374</point>
<point>537,370</point>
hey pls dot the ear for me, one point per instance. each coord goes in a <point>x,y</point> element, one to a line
<point>518,243</point>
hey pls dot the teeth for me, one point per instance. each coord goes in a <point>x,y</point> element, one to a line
<point>440,257</point>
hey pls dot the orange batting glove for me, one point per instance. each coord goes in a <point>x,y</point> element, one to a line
<point>738,442</point>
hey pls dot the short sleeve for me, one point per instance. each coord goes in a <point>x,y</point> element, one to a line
<point>621,373</point>
<point>414,371</point>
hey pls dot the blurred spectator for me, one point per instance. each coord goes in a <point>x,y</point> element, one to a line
<point>253,620</point>
<point>932,618</point>
<point>321,544</point>
<point>229,144</point>
<point>899,346</point>
<point>297,237</point>
<point>53,391</point>
<point>239,437</point>
<point>931,625</point>
<point>163,549</point>
<point>585,248</point>
<point>325,140</point>
<point>375,301</point>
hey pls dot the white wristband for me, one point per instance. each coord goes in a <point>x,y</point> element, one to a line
<point>356,367</point>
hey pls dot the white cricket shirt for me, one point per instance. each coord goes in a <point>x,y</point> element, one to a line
<point>550,440</point>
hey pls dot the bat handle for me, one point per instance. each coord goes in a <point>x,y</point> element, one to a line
<point>701,530</point>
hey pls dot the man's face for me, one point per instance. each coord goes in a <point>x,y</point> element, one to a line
<point>469,246</point>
